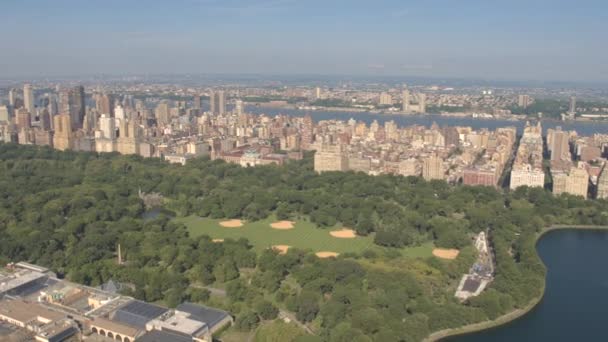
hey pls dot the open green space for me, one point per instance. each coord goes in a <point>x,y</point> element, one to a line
<point>278,331</point>
<point>305,235</point>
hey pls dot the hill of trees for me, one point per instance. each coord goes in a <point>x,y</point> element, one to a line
<point>68,211</point>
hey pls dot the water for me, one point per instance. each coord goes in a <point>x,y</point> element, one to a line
<point>151,214</point>
<point>582,128</point>
<point>575,305</point>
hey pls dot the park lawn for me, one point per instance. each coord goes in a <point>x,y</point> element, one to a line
<point>305,235</point>
<point>423,251</point>
<point>232,335</point>
<point>278,331</point>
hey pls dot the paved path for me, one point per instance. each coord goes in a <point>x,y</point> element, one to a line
<point>282,313</point>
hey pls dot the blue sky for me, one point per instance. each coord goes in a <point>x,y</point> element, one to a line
<point>510,39</point>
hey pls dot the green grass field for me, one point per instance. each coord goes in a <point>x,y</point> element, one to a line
<point>305,235</point>
<point>278,331</point>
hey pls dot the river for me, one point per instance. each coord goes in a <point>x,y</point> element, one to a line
<point>581,127</point>
<point>575,305</point>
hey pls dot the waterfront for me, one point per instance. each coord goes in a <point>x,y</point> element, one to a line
<point>581,127</point>
<point>576,297</point>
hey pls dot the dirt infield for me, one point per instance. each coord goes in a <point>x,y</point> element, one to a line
<point>446,253</point>
<point>324,255</point>
<point>282,249</point>
<point>231,224</point>
<point>283,225</point>
<point>344,233</point>
<point>217,240</point>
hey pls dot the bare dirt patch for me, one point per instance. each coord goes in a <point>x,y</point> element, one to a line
<point>324,255</point>
<point>282,249</point>
<point>344,233</point>
<point>446,253</point>
<point>231,224</point>
<point>283,225</point>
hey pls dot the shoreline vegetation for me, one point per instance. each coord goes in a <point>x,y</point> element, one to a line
<point>515,314</point>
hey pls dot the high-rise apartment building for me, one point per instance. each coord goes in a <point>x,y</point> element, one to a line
<point>239,108</point>
<point>602,183</point>
<point>63,137</point>
<point>330,158</point>
<point>77,106</point>
<point>162,113</point>
<point>572,109</point>
<point>528,165</point>
<point>523,101</point>
<point>218,102</point>
<point>23,118</point>
<point>422,103</point>
<point>306,133</point>
<point>12,98</point>
<point>406,100</point>
<point>432,168</point>
<point>385,99</point>
<point>28,99</point>
<point>574,182</point>
<point>197,103</point>
<point>5,114</point>
<point>105,104</point>
<point>558,144</point>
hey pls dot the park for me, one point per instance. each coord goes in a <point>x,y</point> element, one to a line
<point>301,234</point>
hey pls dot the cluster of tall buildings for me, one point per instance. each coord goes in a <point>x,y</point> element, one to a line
<point>408,107</point>
<point>455,154</point>
<point>527,167</point>
<point>178,130</point>
<point>576,165</point>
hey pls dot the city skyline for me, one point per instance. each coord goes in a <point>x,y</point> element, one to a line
<point>538,40</point>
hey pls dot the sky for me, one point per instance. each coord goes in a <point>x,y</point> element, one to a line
<point>547,40</point>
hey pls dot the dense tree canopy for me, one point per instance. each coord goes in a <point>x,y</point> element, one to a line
<point>69,211</point>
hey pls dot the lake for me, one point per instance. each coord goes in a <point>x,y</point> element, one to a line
<point>575,305</point>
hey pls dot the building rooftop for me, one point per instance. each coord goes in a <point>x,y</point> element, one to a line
<point>23,311</point>
<point>179,322</point>
<point>137,313</point>
<point>202,313</point>
<point>117,327</point>
<point>163,336</point>
<point>18,279</point>
<point>471,285</point>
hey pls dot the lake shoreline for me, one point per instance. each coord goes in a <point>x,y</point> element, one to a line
<point>515,314</point>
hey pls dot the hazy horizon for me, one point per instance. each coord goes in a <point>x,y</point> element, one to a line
<point>517,40</point>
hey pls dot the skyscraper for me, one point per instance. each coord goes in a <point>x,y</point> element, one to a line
<point>24,119</point>
<point>5,114</point>
<point>422,103</point>
<point>28,98</point>
<point>432,168</point>
<point>62,139</point>
<point>105,104</point>
<point>218,102</point>
<point>523,101</point>
<point>197,102</point>
<point>406,100</point>
<point>572,105</point>
<point>238,107</point>
<point>307,134</point>
<point>559,146</point>
<point>77,106</point>
<point>162,113</point>
<point>12,97</point>
<point>385,99</point>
